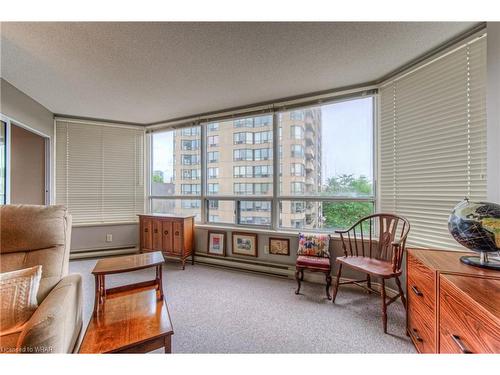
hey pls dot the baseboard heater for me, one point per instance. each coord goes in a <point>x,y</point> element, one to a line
<point>271,269</point>
<point>98,253</point>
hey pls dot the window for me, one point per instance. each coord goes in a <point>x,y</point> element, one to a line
<point>177,207</point>
<point>214,126</point>
<point>263,121</point>
<point>243,188</point>
<point>99,172</point>
<point>243,123</point>
<point>328,150</point>
<point>297,132</point>
<point>190,189</point>
<point>243,171</point>
<point>297,115</point>
<point>213,156</point>
<point>213,172</point>
<point>325,158</point>
<point>191,132</point>
<point>433,142</point>
<point>190,174</point>
<point>262,154</point>
<point>298,188</point>
<point>243,138</point>
<point>297,169</point>
<point>188,159</point>
<point>297,151</point>
<point>189,145</point>
<point>177,171</point>
<point>213,188</point>
<point>243,154</point>
<point>213,141</point>
<point>263,137</point>
<point>262,171</point>
<point>221,211</point>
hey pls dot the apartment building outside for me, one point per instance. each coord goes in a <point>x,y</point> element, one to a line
<point>239,163</point>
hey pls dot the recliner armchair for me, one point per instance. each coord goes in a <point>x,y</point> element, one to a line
<point>41,235</point>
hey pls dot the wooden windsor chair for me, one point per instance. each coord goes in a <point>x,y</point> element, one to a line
<point>381,257</point>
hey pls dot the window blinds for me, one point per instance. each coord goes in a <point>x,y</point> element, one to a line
<point>99,172</point>
<point>433,142</point>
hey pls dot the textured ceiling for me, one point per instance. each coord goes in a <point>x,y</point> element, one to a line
<point>145,72</point>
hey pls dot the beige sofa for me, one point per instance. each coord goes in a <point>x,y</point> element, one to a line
<point>41,235</point>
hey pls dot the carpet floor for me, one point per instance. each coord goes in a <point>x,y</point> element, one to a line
<point>215,310</point>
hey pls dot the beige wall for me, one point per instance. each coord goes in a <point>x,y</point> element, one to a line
<point>20,107</point>
<point>27,165</point>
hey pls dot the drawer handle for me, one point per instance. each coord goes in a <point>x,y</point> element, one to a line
<point>460,344</point>
<point>165,233</point>
<point>146,230</point>
<point>416,335</point>
<point>416,291</point>
<point>156,230</point>
<point>177,233</point>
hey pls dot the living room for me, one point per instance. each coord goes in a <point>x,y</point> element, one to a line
<point>208,185</point>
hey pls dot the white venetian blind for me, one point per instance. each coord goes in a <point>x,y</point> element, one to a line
<point>99,172</point>
<point>433,142</point>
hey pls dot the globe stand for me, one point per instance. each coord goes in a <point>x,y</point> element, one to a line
<point>481,261</point>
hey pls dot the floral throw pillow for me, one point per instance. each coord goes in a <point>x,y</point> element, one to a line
<point>316,245</point>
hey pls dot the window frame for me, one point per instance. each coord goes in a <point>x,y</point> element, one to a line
<point>242,122</point>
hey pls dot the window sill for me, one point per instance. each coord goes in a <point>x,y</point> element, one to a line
<point>97,224</point>
<point>282,232</point>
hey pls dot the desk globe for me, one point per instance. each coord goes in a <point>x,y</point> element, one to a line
<point>476,225</point>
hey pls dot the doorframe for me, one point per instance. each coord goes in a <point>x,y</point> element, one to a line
<point>48,156</point>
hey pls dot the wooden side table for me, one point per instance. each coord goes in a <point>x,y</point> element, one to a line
<point>123,264</point>
<point>131,318</point>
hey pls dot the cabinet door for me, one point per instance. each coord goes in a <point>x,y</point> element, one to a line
<point>167,236</point>
<point>157,236</point>
<point>147,239</point>
<point>178,228</point>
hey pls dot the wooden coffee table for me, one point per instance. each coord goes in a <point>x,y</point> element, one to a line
<point>132,318</point>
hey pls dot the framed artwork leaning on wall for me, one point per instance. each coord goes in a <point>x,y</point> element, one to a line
<point>216,243</point>
<point>245,244</point>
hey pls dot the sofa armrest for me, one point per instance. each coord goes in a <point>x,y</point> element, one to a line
<point>56,324</point>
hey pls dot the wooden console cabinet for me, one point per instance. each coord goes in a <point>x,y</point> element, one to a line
<point>452,307</point>
<point>171,234</point>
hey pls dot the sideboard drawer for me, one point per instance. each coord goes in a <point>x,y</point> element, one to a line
<point>465,325</point>
<point>421,283</point>
<point>422,332</point>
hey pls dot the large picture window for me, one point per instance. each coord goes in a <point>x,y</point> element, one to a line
<point>325,161</point>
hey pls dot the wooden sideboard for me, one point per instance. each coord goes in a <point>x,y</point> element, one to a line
<point>171,234</point>
<point>452,307</point>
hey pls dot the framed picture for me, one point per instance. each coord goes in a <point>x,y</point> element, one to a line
<point>245,244</point>
<point>216,243</point>
<point>279,246</point>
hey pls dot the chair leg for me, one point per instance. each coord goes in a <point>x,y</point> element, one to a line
<point>328,285</point>
<point>298,278</point>
<point>301,275</point>
<point>337,280</point>
<point>403,299</point>
<point>384,306</point>
<point>369,282</point>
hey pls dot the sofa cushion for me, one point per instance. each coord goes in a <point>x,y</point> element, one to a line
<point>18,290</point>
<point>36,235</point>
<point>313,262</point>
<point>314,245</point>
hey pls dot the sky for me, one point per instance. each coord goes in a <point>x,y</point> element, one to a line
<point>347,128</point>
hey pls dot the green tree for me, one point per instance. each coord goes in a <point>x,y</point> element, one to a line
<point>342,215</point>
<point>157,178</point>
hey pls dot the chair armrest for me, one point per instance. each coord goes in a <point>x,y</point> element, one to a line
<point>56,324</point>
